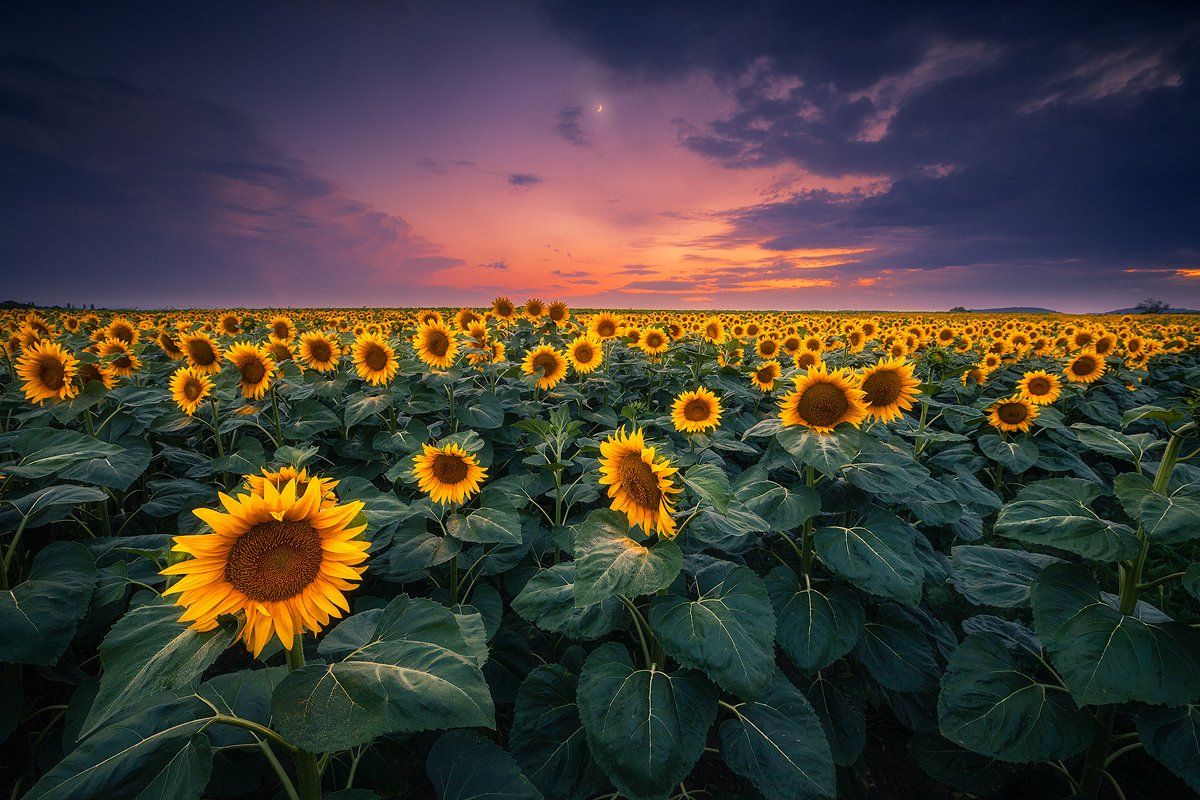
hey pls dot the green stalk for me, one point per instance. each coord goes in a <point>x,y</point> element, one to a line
<point>216,407</point>
<point>306,763</point>
<point>806,549</point>
<point>275,413</point>
<point>11,552</point>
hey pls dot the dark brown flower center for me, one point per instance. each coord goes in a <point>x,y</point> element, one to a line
<point>639,481</point>
<point>201,352</point>
<point>51,372</point>
<point>584,353</point>
<point>253,370</point>
<point>437,342</point>
<point>375,357</point>
<point>191,389</point>
<point>883,387</point>
<point>449,468</point>
<point>823,405</point>
<point>1038,386</point>
<point>319,350</point>
<point>606,328</point>
<point>281,330</point>
<point>274,560</point>
<point>1084,365</point>
<point>1012,413</point>
<point>697,410</point>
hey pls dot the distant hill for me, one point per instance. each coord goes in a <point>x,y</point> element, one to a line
<point>1014,310</point>
<point>1167,311</point>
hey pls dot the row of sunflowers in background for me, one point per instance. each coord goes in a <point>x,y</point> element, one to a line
<point>538,527</point>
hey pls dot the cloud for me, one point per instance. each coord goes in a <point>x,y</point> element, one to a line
<point>568,126</point>
<point>436,167</point>
<point>167,196</point>
<point>637,269</point>
<point>500,265</point>
<point>572,274</point>
<point>523,180</point>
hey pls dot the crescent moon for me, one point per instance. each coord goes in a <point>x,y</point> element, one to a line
<point>599,108</point>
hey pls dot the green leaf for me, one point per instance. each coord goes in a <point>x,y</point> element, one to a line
<point>608,562</point>
<point>1151,412</point>
<point>709,482</point>
<point>992,703</point>
<point>246,694</point>
<point>547,738</point>
<point>778,744</point>
<point>881,468</point>
<point>116,471</point>
<point>360,406</point>
<point>307,419</point>
<point>783,509</point>
<point>1056,512</point>
<point>896,651</point>
<point>963,769</point>
<point>1017,455</point>
<point>53,503</point>
<point>878,556</point>
<point>44,451</point>
<point>248,459</point>
<point>170,497</point>
<point>158,752</point>
<point>1191,580</point>
<point>492,524</point>
<point>1127,447</point>
<point>1172,735</point>
<point>838,698</point>
<point>38,617</point>
<point>1167,518</point>
<point>149,651</point>
<point>645,727</point>
<point>815,628</point>
<point>414,672</point>
<point>463,765</point>
<point>484,413</point>
<point>1105,656</point>
<point>827,453</point>
<point>728,631</point>
<point>995,576</point>
<point>548,601</point>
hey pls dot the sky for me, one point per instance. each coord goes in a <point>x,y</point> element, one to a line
<point>681,154</point>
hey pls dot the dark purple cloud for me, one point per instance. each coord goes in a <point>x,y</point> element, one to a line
<point>500,265</point>
<point>568,126</point>
<point>523,180</point>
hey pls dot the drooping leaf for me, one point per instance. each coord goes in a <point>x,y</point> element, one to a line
<point>38,617</point>
<point>815,626</point>
<point>44,451</point>
<point>839,700</point>
<point>645,727</point>
<point>492,524</point>
<point>1167,518</point>
<point>548,601</point>
<point>608,562</point>
<point>777,743</point>
<point>1056,512</point>
<point>728,631</point>
<point>1017,455</point>
<point>1105,656</point>
<point>1172,735</point>
<point>113,470</point>
<point>1125,446</point>
<point>995,576</point>
<point>463,765</point>
<point>878,556</point>
<point>547,738</point>
<point>896,651</point>
<point>414,672</point>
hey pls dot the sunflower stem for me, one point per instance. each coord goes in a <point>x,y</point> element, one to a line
<point>639,626</point>
<point>275,414</point>
<point>216,408</point>
<point>306,763</point>
<point>806,551</point>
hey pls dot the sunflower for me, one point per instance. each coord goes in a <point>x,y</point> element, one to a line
<point>653,341</point>
<point>1039,387</point>
<point>604,326</point>
<point>279,479</point>
<point>714,330</point>
<point>503,308</point>
<point>890,388</point>
<point>639,483</point>
<point>189,387</point>
<point>47,372</point>
<point>202,352</point>
<point>806,359</point>
<point>320,351</point>
<point>696,412</point>
<point>279,350</point>
<point>121,360</point>
<point>168,344</point>
<point>375,359</point>
<point>279,558</point>
<point>558,312</point>
<point>100,373</point>
<point>823,400</point>
<point>123,329</point>
<point>255,366</point>
<point>767,347</point>
<point>282,327</point>
<point>1085,367</point>
<point>1012,414</point>
<point>448,474</point>
<point>765,375</point>
<point>551,364</point>
<point>585,353</point>
<point>976,375</point>
<point>436,345</point>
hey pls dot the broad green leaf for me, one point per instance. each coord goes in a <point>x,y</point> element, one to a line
<point>248,459</point>
<point>1105,656</point>
<point>485,412</point>
<point>307,419</point>
<point>51,504</point>
<point>548,601</point>
<point>881,468</point>
<point>995,576</point>
<point>1056,512</point>
<point>815,626</point>
<point>246,694</point>
<point>776,742</point>
<point>946,762</point>
<point>415,672</point>
<point>827,453</point>
<point>463,765</point>
<point>149,651</point>
<point>38,617</point>
<point>1172,735</point>
<point>783,509</point>
<point>1191,580</point>
<point>1017,455</point>
<point>1151,412</point>
<point>993,703</point>
<point>361,405</point>
<point>44,451</point>
<point>1167,518</point>
<point>547,738</point>
<point>728,631</point>
<point>169,497</point>
<point>896,651</point>
<point>499,524</point>
<point>113,470</point>
<point>839,700</point>
<point>159,751</point>
<point>645,728</point>
<point>608,562</point>
<point>878,556</point>
<point>709,482</point>
<point>1125,446</point>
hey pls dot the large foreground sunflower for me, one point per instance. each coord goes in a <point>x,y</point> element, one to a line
<point>1012,414</point>
<point>639,483</point>
<point>374,359</point>
<point>547,362</point>
<point>189,388</point>
<point>823,400</point>
<point>696,411</point>
<point>585,353</point>
<point>448,474</point>
<point>254,366</point>
<point>47,372</point>
<point>279,558</point>
<point>435,344</point>
<point>890,387</point>
<point>1039,387</point>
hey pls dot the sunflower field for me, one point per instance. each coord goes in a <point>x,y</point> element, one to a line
<point>530,551</point>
